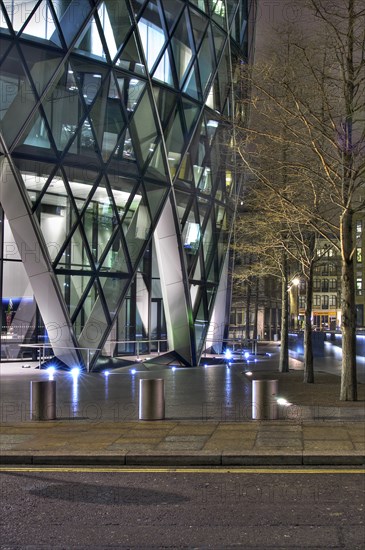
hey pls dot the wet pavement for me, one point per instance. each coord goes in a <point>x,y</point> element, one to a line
<point>208,417</point>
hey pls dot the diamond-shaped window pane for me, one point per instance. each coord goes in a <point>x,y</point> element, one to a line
<point>130,91</point>
<point>157,168</point>
<point>143,128</point>
<point>17,99</point>
<point>75,254</point>
<point>182,47</point>
<point>54,214</point>
<point>205,60</point>
<point>163,71</point>
<point>130,58</point>
<point>41,23</point>
<point>18,14</point>
<point>114,260</point>
<point>155,196</point>
<point>192,86</point>
<point>116,22</point>
<point>107,118</point>
<point>63,108</point>
<point>86,311</point>
<point>90,42</point>
<point>113,290</point>
<point>199,24</point>
<point>152,34</point>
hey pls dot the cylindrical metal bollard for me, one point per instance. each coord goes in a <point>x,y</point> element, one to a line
<point>43,400</point>
<point>151,399</point>
<point>264,403</point>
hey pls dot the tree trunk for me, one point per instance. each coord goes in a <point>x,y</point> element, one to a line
<point>284,348</point>
<point>348,375</point>
<point>248,307</point>
<point>256,311</point>
<point>308,345</point>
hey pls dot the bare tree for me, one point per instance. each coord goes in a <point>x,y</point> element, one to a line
<point>308,106</point>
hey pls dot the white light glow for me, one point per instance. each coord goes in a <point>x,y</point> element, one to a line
<point>75,372</point>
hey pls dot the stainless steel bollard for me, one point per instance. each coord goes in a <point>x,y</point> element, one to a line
<point>264,403</point>
<point>43,400</point>
<point>151,399</point>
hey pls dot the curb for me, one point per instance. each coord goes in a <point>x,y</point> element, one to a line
<point>184,459</point>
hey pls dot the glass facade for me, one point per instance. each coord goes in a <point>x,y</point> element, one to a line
<point>117,187</point>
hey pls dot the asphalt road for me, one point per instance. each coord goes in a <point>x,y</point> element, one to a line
<point>182,508</point>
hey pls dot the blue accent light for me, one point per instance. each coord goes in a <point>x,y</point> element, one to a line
<point>106,373</point>
<point>228,354</point>
<point>51,370</point>
<point>173,368</point>
<point>133,371</point>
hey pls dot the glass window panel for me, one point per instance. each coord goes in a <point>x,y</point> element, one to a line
<point>86,310</point>
<point>182,202</point>
<point>165,102</point>
<point>63,108</point>
<point>157,167</point>
<point>75,254</point>
<point>172,10</point>
<point>191,113</point>
<point>201,4</point>
<point>107,118</point>
<point>116,23</point>
<point>205,183</point>
<point>144,128</point>
<point>175,144</point>
<point>131,90</point>
<point>185,173</point>
<point>151,33</point>
<point>71,15</point>
<point>155,196</point>
<point>223,75</point>
<point>130,58</point>
<point>219,40</point>
<point>218,8</point>
<point>19,12</point>
<point>163,71</point>
<point>115,260</point>
<point>16,99</point>
<point>54,213</point>
<point>90,42</point>
<point>113,290</point>
<point>191,237</point>
<point>199,24</point>
<point>192,86</point>
<point>41,24</point>
<point>136,227</point>
<point>206,61</point>
<point>38,135</point>
<point>182,47</point>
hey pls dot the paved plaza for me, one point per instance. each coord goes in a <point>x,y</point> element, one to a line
<point>208,416</point>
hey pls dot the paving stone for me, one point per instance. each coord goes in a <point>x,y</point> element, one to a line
<point>328,445</point>
<point>277,443</point>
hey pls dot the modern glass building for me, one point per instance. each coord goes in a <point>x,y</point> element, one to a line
<point>117,173</point>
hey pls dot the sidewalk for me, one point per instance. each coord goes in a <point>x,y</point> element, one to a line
<point>207,421</point>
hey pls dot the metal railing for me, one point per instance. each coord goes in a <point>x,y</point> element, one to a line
<point>43,347</point>
<point>233,343</point>
<point>139,342</point>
